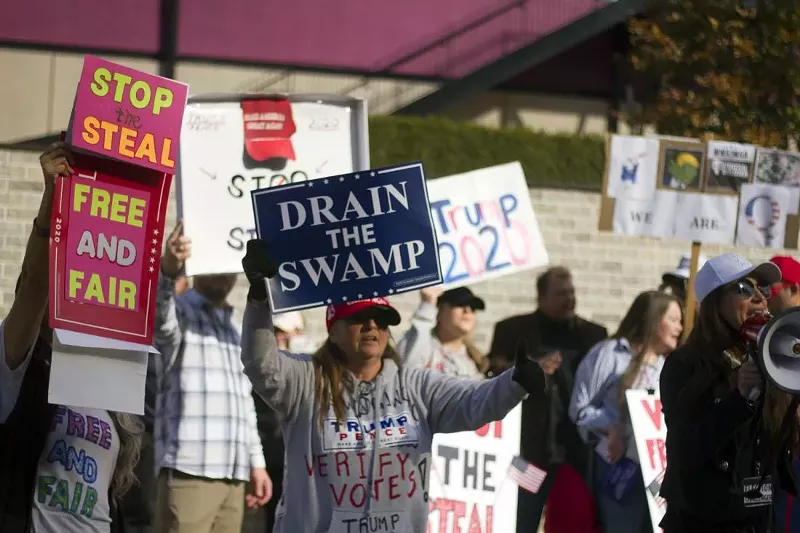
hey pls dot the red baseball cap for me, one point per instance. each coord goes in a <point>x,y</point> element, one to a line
<point>380,306</point>
<point>268,128</point>
<point>790,268</point>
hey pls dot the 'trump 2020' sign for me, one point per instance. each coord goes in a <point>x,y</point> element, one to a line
<point>485,224</point>
<point>348,237</point>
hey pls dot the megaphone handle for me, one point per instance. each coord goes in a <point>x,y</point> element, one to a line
<point>755,393</point>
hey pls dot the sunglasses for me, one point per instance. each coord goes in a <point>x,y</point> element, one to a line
<point>359,319</point>
<point>747,288</point>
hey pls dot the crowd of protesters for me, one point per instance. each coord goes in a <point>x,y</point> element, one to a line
<point>236,413</point>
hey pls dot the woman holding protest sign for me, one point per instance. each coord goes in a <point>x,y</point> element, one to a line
<point>439,337</point>
<point>631,359</point>
<point>359,427</point>
<point>63,468</point>
<point>724,461</point>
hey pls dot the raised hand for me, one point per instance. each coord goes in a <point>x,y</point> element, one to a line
<point>56,161</point>
<point>177,250</point>
<point>431,294</point>
<point>258,266</point>
<point>529,372</point>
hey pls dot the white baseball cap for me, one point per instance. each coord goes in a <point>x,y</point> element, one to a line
<point>726,268</point>
<point>289,322</point>
<point>682,270</point>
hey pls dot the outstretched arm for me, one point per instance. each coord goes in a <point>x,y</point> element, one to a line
<point>457,404</point>
<point>281,379</point>
<point>167,333</point>
<point>414,346</point>
<point>20,328</point>
<point>30,302</point>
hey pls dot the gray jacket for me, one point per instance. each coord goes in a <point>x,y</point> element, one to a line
<point>371,470</point>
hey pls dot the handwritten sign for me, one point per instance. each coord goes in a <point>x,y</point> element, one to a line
<point>128,115</point>
<point>650,434</point>
<point>105,248</point>
<point>348,237</point>
<point>469,487</point>
<point>485,224</point>
<point>226,154</point>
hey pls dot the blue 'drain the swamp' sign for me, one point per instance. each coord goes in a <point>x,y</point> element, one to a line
<point>348,237</point>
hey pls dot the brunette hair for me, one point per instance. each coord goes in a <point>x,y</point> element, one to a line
<point>640,328</point>
<point>331,378</point>
<point>720,351</point>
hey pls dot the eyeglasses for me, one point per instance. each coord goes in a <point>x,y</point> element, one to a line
<point>747,288</point>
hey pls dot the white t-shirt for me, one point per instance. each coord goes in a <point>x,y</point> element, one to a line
<point>77,462</point>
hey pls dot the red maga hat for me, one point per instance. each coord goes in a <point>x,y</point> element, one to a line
<point>346,310</point>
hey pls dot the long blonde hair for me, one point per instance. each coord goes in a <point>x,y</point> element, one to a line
<point>640,328</point>
<point>129,430</point>
<point>331,378</point>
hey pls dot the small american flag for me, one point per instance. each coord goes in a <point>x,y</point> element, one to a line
<point>527,475</point>
<point>655,489</point>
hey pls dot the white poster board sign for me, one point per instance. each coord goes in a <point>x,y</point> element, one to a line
<point>650,434</point>
<point>707,218</point>
<point>469,486</point>
<point>485,224</point>
<point>233,144</point>
<point>762,215</point>
<point>633,167</point>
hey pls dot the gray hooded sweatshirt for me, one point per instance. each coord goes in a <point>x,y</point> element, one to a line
<point>419,347</point>
<point>371,471</point>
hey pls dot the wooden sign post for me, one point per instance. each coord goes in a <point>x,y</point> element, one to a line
<point>691,301</point>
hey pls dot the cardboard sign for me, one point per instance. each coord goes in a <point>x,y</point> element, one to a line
<point>232,145</point>
<point>650,434</point>
<point>469,485</point>
<point>128,115</point>
<point>105,248</point>
<point>96,372</point>
<point>485,224</point>
<point>348,237</point>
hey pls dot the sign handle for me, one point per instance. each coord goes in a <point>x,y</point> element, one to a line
<point>691,305</point>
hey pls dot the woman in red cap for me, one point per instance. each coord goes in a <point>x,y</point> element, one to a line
<point>358,427</point>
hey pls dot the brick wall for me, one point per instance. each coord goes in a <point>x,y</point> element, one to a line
<point>609,270</point>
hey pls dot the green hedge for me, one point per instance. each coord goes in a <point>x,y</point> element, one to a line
<point>448,147</point>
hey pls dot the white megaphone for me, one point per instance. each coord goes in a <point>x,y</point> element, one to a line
<point>779,350</point>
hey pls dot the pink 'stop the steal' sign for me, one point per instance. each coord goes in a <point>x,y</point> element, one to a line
<point>128,115</point>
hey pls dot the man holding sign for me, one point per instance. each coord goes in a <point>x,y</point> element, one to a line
<point>207,442</point>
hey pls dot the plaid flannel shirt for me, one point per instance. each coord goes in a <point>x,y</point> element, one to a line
<point>205,416</point>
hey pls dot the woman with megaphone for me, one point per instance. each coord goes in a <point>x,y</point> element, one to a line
<point>724,463</point>
<point>357,426</point>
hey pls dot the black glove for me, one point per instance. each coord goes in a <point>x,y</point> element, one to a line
<point>528,372</point>
<point>258,266</point>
